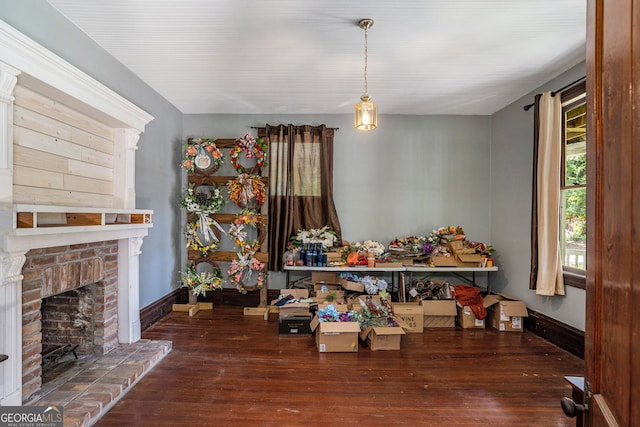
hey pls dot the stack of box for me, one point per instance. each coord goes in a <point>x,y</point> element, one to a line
<point>294,316</point>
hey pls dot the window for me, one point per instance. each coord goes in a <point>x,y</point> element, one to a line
<point>573,218</point>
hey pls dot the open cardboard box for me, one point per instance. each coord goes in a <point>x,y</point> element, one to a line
<point>468,260</point>
<point>354,304</point>
<point>292,308</point>
<point>467,318</point>
<point>411,315</point>
<point>506,313</point>
<point>382,337</point>
<point>351,286</point>
<point>335,337</point>
<point>329,296</point>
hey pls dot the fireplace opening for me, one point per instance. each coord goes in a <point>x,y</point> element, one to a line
<point>68,325</point>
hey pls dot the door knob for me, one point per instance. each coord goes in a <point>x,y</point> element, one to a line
<point>571,408</point>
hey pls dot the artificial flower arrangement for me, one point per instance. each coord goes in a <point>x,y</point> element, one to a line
<point>193,239</point>
<point>374,285</point>
<point>202,282</point>
<point>203,202</point>
<point>323,235</point>
<point>410,244</point>
<point>253,148</point>
<point>374,313</point>
<point>369,246</point>
<point>239,235</point>
<point>195,154</point>
<point>331,314</point>
<point>450,233</point>
<point>242,268</point>
<point>481,248</point>
<point>247,190</point>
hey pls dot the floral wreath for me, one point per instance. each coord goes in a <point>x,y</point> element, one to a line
<point>245,265</point>
<point>201,202</point>
<point>245,189</point>
<point>194,242</point>
<point>236,231</point>
<point>252,148</point>
<point>200,283</point>
<point>195,150</point>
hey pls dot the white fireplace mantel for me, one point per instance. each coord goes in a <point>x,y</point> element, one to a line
<point>25,62</point>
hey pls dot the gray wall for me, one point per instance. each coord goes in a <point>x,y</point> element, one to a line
<point>511,173</point>
<point>412,174</point>
<point>158,156</point>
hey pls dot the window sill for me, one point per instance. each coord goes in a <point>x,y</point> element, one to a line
<point>576,279</point>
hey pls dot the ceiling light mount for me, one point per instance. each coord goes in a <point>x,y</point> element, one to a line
<point>366,112</point>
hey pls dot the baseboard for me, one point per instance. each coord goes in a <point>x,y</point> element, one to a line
<point>564,336</point>
<point>157,310</point>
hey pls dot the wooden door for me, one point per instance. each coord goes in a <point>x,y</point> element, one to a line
<point>612,336</point>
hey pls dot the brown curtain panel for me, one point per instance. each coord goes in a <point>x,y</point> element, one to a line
<point>533,276</point>
<point>300,184</point>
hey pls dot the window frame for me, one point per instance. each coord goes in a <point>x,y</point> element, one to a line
<point>570,99</point>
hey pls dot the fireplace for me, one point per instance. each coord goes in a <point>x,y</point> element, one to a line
<point>68,218</point>
<point>69,300</point>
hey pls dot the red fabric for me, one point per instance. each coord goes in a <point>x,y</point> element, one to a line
<point>471,297</point>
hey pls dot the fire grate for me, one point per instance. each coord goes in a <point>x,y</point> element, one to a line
<point>51,354</point>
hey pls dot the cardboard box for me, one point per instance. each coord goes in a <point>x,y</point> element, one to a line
<point>336,337</point>
<point>332,287</point>
<point>334,256</point>
<point>469,260</point>
<point>382,337</point>
<point>324,277</point>
<point>389,264</point>
<point>444,261</point>
<point>340,306</point>
<point>294,324</point>
<point>295,308</point>
<point>467,319</point>
<point>351,286</point>
<point>506,314</point>
<point>411,315</point>
<point>329,296</point>
<point>439,313</point>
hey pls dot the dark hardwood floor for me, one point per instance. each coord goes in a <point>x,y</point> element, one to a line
<point>229,370</point>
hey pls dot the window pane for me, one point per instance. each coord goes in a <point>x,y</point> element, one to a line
<point>574,228</point>
<point>306,169</point>
<point>575,149</point>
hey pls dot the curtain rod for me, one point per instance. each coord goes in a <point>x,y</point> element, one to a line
<point>528,106</point>
<point>262,127</point>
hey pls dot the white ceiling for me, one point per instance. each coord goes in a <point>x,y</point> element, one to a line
<point>307,56</point>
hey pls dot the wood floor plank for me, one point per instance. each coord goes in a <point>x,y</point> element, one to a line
<point>226,369</point>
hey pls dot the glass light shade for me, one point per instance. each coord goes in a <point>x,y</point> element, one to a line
<point>366,115</point>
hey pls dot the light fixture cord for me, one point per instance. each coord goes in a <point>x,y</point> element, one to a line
<point>366,58</point>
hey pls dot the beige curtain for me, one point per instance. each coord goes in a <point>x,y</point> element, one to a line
<point>549,280</point>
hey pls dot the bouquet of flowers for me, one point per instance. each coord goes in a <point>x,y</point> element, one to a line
<point>369,246</point>
<point>450,233</point>
<point>373,284</point>
<point>330,314</point>
<point>375,314</point>
<point>323,235</point>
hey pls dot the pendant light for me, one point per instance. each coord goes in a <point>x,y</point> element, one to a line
<point>365,112</point>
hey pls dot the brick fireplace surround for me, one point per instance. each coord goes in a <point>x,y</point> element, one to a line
<point>53,271</point>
